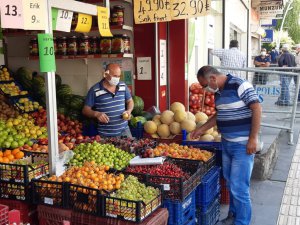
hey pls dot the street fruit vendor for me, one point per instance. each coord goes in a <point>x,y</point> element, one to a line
<point>110,103</point>
<point>238,118</point>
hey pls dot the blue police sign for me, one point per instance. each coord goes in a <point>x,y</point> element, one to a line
<point>268,37</point>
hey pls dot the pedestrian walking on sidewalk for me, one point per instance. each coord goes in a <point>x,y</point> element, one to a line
<point>238,118</point>
<point>286,59</point>
<point>231,57</point>
<point>261,61</point>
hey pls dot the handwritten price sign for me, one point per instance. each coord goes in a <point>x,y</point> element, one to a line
<point>84,23</point>
<point>151,11</point>
<point>46,53</point>
<point>103,22</point>
<point>34,14</point>
<point>12,14</point>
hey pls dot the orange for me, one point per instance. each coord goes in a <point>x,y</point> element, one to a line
<point>5,160</point>
<point>15,151</point>
<point>1,153</point>
<point>11,157</point>
<point>1,159</point>
<point>7,152</point>
<point>19,155</point>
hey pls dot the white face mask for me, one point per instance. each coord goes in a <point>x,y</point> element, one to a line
<point>114,81</point>
<point>263,53</point>
<point>209,89</point>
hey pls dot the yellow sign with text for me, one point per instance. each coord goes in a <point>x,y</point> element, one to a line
<point>151,11</point>
<point>84,23</point>
<point>103,22</point>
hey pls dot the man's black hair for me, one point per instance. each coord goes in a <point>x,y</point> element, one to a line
<point>205,71</point>
<point>234,44</point>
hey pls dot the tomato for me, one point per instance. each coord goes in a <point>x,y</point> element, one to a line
<point>208,112</point>
<point>207,100</point>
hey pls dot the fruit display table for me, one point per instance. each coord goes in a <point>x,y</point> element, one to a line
<point>51,215</point>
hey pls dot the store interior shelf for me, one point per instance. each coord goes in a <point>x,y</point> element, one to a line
<point>121,55</point>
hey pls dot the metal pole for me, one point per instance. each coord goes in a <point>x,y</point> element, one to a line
<point>51,105</point>
<point>157,76</point>
<point>281,26</point>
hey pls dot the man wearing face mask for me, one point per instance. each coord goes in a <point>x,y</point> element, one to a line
<point>261,61</point>
<point>110,103</point>
<point>238,119</point>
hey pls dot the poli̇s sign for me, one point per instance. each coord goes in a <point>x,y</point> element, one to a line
<point>270,90</point>
<point>268,37</point>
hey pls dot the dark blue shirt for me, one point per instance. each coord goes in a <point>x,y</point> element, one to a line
<point>260,59</point>
<point>112,104</point>
<point>274,55</point>
<point>287,59</point>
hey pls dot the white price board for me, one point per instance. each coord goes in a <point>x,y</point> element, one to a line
<point>163,62</point>
<point>64,20</point>
<point>144,68</point>
<point>12,14</point>
<point>34,14</point>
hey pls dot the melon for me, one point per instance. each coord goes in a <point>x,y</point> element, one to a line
<point>23,74</point>
<point>218,138</point>
<point>63,90</point>
<point>156,117</point>
<point>206,137</point>
<point>188,137</point>
<point>57,80</point>
<point>167,117</point>
<point>215,134</point>
<point>155,135</point>
<point>76,102</point>
<point>188,125</point>
<point>175,128</point>
<point>157,122</point>
<point>180,116</point>
<point>199,124</point>
<point>138,106</point>
<point>209,131</point>
<point>190,116</point>
<point>150,127</point>
<point>163,131</point>
<point>201,116</point>
<point>177,106</point>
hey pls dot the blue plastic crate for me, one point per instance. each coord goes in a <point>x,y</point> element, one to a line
<point>209,187</point>
<point>181,212</point>
<point>137,131</point>
<point>89,129</point>
<point>210,217</point>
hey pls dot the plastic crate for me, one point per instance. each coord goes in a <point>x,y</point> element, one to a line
<point>3,214</point>
<point>50,193</point>
<point>211,216</point>
<point>209,187</point>
<point>84,219</point>
<point>84,199</point>
<point>137,131</point>
<point>176,139</point>
<point>14,191</point>
<point>225,195</point>
<point>181,212</point>
<point>22,173</point>
<point>53,216</point>
<point>89,129</point>
<point>176,188</point>
<point>129,210</point>
<point>28,211</point>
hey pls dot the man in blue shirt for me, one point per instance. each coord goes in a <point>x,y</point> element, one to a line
<point>274,56</point>
<point>261,61</point>
<point>238,119</point>
<point>110,102</point>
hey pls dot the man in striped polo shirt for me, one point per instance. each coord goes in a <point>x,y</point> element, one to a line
<point>110,102</point>
<point>238,118</point>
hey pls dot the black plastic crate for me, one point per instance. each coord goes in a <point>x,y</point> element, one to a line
<point>22,173</point>
<point>176,188</point>
<point>50,193</point>
<point>86,200</point>
<point>129,210</point>
<point>211,216</point>
<point>15,191</point>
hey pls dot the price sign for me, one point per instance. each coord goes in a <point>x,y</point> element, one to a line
<point>188,9</point>
<point>103,22</point>
<point>34,14</point>
<point>54,12</point>
<point>151,11</point>
<point>12,14</point>
<point>144,68</point>
<point>84,23</point>
<point>46,53</point>
<point>64,20</point>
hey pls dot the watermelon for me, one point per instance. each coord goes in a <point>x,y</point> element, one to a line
<point>57,80</point>
<point>23,73</point>
<point>138,106</point>
<point>147,115</point>
<point>62,110</point>
<point>38,81</point>
<point>135,120</point>
<point>63,90</point>
<point>77,102</point>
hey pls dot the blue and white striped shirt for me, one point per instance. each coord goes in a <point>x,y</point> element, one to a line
<point>234,116</point>
<point>112,104</point>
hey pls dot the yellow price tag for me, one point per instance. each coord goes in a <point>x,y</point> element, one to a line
<point>103,22</point>
<point>84,23</point>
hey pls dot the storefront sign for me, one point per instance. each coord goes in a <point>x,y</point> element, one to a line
<point>152,11</point>
<point>143,65</point>
<point>268,36</point>
<point>271,9</point>
<point>103,22</point>
<point>35,12</point>
<point>163,62</point>
<point>46,53</point>
<point>84,23</point>
<point>64,20</point>
<point>12,14</point>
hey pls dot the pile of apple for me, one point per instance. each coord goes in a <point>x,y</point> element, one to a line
<point>6,110</point>
<point>27,105</point>
<point>201,100</point>
<point>5,75</point>
<point>12,89</point>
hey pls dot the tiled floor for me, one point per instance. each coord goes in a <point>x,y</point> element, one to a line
<point>290,206</point>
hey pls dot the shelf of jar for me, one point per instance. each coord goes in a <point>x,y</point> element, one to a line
<point>94,56</point>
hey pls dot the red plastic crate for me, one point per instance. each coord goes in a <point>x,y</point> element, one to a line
<point>84,219</point>
<point>28,212</point>
<point>53,216</point>
<point>225,196</point>
<point>3,214</point>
